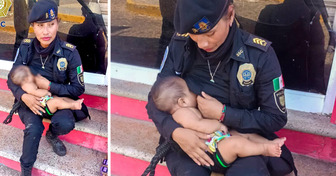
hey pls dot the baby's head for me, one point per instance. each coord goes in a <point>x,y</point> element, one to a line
<point>171,93</point>
<point>21,74</point>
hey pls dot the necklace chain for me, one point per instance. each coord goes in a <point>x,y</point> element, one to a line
<point>212,75</point>
<point>45,61</point>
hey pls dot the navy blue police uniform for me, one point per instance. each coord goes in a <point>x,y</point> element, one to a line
<point>63,68</point>
<point>248,82</point>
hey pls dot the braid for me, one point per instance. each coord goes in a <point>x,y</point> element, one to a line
<point>161,152</point>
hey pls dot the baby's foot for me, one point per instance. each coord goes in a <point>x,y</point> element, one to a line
<point>77,105</point>
<point>279,141</point>
<point>272,149</point>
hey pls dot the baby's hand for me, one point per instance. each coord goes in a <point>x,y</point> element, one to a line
<point>224,129</point>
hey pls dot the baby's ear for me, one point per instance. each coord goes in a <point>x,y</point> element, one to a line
<point>181,102</point>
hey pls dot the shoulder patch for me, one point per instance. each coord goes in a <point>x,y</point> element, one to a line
<point>258,42</point>
<point>68,46</point>
<point>179,36</point>
<point>27,41</point>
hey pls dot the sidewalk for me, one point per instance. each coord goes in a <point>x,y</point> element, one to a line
<point>145,7</point>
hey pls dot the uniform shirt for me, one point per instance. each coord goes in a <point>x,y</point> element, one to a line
<point>253,107</point>
<point>198,78</point>
<point>36,66</point>
<point>65,64</point>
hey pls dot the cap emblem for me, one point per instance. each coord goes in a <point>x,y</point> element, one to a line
<point>51,14</point>
<point>201,26</point>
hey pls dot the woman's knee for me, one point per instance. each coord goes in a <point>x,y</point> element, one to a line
<point>62,122</point>
<point>33,130</point>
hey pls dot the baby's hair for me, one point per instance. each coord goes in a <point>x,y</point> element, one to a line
<point>19,74</point>
<point>166,92</point>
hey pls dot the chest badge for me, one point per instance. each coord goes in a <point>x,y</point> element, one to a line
<point>62,64</point>
<point>246,74</point>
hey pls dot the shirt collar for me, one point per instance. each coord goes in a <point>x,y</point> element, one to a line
<point>239,51</point>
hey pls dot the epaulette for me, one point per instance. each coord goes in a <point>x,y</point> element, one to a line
<point>68,46</point>
<point>27,41</point>
<point>258,42</point>
<point>179,36</point>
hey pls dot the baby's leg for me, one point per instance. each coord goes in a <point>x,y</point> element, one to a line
<point>257,138</point>
<point>58,103</point>
<point>237,146</point>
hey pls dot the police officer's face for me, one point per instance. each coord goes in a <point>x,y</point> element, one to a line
<point>45,32</point>
<point>213,39</point>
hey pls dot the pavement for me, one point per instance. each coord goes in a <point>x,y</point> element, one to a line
<point>135,37</point>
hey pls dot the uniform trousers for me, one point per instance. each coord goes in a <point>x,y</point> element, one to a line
<point>62,123</point>
<point>180,164</point>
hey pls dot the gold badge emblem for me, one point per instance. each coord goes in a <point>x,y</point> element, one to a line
<point>4,7</point>
<point>246,74</point>
<point>259,41</point>
<point>62,64</point>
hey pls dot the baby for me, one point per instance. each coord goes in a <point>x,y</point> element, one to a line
<point>173,96</point>
<point>22,76</point>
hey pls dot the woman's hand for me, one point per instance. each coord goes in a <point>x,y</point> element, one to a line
<point>193,144</point>
<point>33,103</point>
<point>42,82</point>
<point>209,106</point>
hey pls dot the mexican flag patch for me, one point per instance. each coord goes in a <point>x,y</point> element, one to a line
<point>80,69</point>
<point>278,83</point>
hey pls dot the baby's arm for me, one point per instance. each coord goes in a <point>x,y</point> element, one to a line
<point>190,119</point>
<point>32,89</point>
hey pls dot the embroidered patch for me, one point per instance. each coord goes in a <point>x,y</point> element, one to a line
<point>79,69</point>
<point>279,98</point>
<point>69,45</point>
<point>278,83</point>
<point>182,35</point>
<point>80,78</point>
<point>165,56</point>
<point>202,26</point>
<point>26,40</point>
<point>62,64</point>
<point>52,14</point>
<point>240,53</point>
<point>246,74</point>
<point>259,41</point>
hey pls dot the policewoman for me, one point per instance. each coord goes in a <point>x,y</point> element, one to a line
<point>237,78</point>
<point>60,71</point>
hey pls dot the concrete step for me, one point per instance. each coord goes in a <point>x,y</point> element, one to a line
<point>134,141</point>
<point>78,161</point>
<point>6,171</point>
